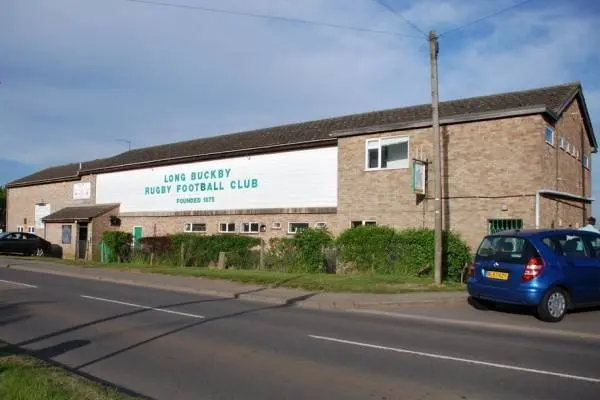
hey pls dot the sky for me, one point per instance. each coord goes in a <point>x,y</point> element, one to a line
<point>79,77</point>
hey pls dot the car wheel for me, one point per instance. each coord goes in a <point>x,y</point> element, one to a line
<point>553,306</point>
<point>39,252</point>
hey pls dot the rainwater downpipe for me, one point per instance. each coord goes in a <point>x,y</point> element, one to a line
<point>570,196</point>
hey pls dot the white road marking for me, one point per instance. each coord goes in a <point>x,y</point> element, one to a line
<point>18,283</point>
<point>458,359</point>
<point>144,307</point>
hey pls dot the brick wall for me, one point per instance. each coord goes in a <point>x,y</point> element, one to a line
<point>479,182</point>
<point>564,171</point>
<point>21,201</point>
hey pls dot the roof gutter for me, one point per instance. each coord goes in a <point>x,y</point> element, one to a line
<point>555,193</point>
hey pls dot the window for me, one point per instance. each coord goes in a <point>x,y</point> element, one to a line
<point>250,227</point>
<point>195,227</point>
<point>549,135</point>
<point>321,225</point>
<point>294,227</point>
<point>276,225</point>
<point>499,225</point>
<point>562,142</point>
<point>354,224</point>
<point>566,245</point>
<point>568,147</point>
<point>574,151</point>
<point>586,161</point>
<point>66,234</point>
<point>227,227</point>
<point>506,249</point>
<point>31,229</point>
<point>387,153</point>
<point>20,229</point>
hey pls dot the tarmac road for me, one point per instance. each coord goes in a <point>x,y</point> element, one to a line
<point>171,345</point>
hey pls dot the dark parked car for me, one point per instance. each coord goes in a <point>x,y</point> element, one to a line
<point>553,270</point>
<point>24,243</point>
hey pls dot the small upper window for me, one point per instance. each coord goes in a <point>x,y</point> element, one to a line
<point>31,229</point>
<point>549,134</point>
<point>20,229</point>
<point>387,153</point>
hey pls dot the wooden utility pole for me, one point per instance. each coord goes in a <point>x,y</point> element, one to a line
<point>433,54</point>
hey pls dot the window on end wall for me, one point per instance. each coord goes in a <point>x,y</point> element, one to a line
<point>250,227</point>
<point>227,227</point>
<point>294,227</point>
<point>586,161</point>
<point>195,227</point>
<point>387,153</point>
<point>31,229</point>
<point>20,229</point>
<point>549,135</point>
<point>354,224</point>
<point>499,225</point>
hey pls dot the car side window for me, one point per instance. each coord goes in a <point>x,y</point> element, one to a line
<point>29,236</point>
<point>593,243</point>
<point>572,246</point>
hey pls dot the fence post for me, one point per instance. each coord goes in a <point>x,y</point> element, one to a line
<point>262,254</point>
<point>222,261</point>
<point>182,255</point>
<point>151,258</point>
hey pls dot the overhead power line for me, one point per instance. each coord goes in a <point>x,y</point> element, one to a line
<point>503,10</point>
<point>401,16</point>
<point>269,17</point>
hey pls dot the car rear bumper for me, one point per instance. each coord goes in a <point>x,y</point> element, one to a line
<point>523,295</point>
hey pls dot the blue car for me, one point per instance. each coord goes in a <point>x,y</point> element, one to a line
<point>553,270</point>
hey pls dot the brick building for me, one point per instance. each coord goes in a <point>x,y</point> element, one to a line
<point>519,159</point>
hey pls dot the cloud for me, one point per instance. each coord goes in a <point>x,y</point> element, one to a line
<point>78,75</point>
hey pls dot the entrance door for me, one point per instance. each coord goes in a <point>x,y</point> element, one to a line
<point>137,235</point>
<point>82,236</point>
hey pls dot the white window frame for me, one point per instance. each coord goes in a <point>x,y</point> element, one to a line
<point>293,232</point>
<point>321,225</point>
<point>227,230</point>
<point>562,142</point>
<point>363,222</point>
<point>586,161</point>
<point>189,227</point>
<point>568,147</point>
<point>378,143</point>
<point>548,129</point>
<point>250,230</point>
<point>20,228</point>
<point>31,229</point>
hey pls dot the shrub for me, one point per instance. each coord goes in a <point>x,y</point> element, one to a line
<point>119,244</point>
<point>309,245</point>
<point>370,248</point>
<point>280,255</point>
<point>156,244</point>
<point>200,250</point>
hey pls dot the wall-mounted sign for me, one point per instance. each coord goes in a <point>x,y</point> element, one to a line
<point>41,211</point>
<point>418,176</point>
<point>82,190</point>
<point>304,178</point>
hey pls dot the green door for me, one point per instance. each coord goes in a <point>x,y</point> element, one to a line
<point>137,235</point>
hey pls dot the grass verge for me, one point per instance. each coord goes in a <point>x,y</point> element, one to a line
<point>351,283</point>
<point>23,377</point>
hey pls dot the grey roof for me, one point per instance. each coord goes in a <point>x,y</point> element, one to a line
<point>549,100</point>
<point>79,213</point>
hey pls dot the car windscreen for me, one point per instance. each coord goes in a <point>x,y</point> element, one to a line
<point>510,249</point>
<point>3,234</point>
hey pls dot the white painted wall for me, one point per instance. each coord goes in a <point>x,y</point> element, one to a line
<point>303,178</point>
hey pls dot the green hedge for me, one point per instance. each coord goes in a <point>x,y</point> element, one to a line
<point>380,249</point>
<point>200,250</point>
<point>119,244</point>
<point>301,253</point>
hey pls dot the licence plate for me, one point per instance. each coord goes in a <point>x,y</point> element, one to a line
<point>497,275</point>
